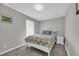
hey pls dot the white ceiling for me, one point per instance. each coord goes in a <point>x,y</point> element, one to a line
<point>51,10</point>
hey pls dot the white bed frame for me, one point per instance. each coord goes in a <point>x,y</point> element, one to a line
<point>43,48</point>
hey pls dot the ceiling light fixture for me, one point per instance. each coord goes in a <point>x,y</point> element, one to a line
<point>38,7</point>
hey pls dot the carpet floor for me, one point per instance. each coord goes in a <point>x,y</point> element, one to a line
<point>58,50</point>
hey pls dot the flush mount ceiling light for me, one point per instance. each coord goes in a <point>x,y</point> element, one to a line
<point>38,7</point>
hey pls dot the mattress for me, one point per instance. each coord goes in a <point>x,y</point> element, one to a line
<point>44,40</point>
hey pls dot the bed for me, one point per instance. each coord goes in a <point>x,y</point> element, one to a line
<point>42,42</point>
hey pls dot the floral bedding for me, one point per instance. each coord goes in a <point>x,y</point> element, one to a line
<point>44,40</point>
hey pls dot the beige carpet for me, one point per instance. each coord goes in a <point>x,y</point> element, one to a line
<point>58,50</point>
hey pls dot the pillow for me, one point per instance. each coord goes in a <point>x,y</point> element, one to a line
<point>47,32</point>
<point>54,33</point>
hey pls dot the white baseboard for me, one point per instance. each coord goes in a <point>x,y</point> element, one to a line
<point>67,50</point>
<point>11,49</point>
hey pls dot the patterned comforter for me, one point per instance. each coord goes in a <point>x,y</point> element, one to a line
<point>44,40</point>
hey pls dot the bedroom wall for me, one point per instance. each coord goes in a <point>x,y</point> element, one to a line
<point>12,35</point>
<point>53,24</point>
<point>72,30</point>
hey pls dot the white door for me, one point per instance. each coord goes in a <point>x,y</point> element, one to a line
<point>29,28</point>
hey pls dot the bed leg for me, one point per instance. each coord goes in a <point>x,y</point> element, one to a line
<point>48,53</point>
<point>27,45</point>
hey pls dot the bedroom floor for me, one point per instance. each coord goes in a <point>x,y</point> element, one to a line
<point>58,50</point>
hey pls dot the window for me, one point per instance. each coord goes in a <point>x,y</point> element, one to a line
<point>29,27</point>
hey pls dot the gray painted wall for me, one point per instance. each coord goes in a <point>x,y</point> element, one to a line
<point>12,35</point>
<point>72,30</point>
<point>53,24</point>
